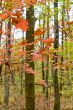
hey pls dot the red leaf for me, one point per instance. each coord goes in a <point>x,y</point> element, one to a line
<point>23,24</point>
<point>3,16</point>
<point>0,31</point>
<point>23,43</point>
<point>28,69</point>
<point>39,32</point>
<point>49,40</point>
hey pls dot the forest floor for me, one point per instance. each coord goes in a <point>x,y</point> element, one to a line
<point>17,103</point>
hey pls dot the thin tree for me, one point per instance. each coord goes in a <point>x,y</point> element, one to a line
<point>0,43</point>
<point>29,78</point>
<point>7,64</point>
<point>47,59</point>
<point>55,71</point>
<point>63,17</point>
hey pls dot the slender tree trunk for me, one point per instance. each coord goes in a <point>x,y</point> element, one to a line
<point>47,58</point>
<point>43,62</point>
<point>70,34</point>
<point>21,74</point>
<point>63,17</point>
<point>7,65</point>
<point>56,44</point>
<point>0,47</point>
<point>29,78</point>
<point>0,44</point>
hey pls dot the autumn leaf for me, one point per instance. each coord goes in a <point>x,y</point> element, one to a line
<point>23,24</point>
<point>7,33</point>
<point>42,82</point>
<point>69,23</point>
<point>16,17</point>
<point>41,2</point>
<point>25,43</point>
<point>21,53</point>
<point>15,21</point>
<point>18,14</point>
<point>0,31</point>
<point>22,43</point>
<point>32,43</point>
<point>36,56</point>
<point>3,16</point>
<point>10,45</point>
<point>28,69</point>
<point>39,32</point>
<point>49,40</point>
<point>30,2</point>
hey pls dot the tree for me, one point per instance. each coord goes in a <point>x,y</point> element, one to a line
<point>29,78</point>
<point>0,43</point>
<point>56,44</point>
<point>7,64</point>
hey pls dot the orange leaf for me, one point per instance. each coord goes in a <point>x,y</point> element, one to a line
<point>18,14</point>
<point>70,22</point>
<point>23,24</point>
<point>43,82</point>
<point>49,40</point>
<point>38,32</point>
<point>0,31</point>
<point>21,53</point>
<point>3,16</point>
<point>23,43</point>
<point>30,2</point>
<point>15,21</point>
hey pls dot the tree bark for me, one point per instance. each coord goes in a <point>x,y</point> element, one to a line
<point>7,66</point>
<point>56,44</point>
<point>29,78</point>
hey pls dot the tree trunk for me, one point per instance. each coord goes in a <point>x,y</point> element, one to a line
<point>0,44</point>
<point>29,78</point>
<point>43,62</point>
<point>47,59</point>
<point>56,44</point>
<point>63,17</point>
<point>7,66</point>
